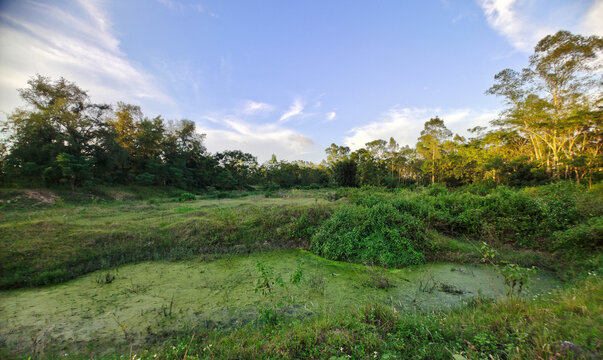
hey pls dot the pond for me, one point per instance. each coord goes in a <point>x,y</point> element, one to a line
<point>143,302</point>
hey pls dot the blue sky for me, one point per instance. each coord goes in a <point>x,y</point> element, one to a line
<point>285,77</point>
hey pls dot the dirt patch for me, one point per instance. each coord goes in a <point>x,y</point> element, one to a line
<point>120,195</point>
<point>44,197</point>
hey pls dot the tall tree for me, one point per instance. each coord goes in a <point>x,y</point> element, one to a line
<point>550,100</point>
<point>59,119</point>
<point>430,144</point>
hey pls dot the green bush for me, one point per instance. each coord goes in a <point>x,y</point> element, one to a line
<point>186,196</point>
<point>588,236</point>
<point>526,218</point>
<point>371,235</point>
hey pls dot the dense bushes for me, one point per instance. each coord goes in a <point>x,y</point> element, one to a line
<point>388,227</point>
<point>587,236</point>
<point>525,218</point>
<point>377,234</point>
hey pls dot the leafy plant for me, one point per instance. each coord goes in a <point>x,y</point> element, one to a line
<point>378,234</point>
<point>297,276</point>
<point>186,196</point>
<point>317,283</point>
<point>267,281</point>
<point>378,279</point>
<point>516,277</point>
<point>488,253</point>
<point>108,278</point>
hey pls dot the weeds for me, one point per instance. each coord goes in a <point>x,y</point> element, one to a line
<point>107,278</point>
<point>516,277</point>
<point>488,330</point>
<point>317,283</point>
<point>451,289</point>
<point>186,196</point>
<point>427,285</point>
<point>267,281</point>
<point>377,279</point>
<point>166,310</point>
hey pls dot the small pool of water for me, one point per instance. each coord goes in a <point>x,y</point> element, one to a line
<point>149,299</point>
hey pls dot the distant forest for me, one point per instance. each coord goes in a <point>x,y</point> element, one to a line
<point>550,130</point>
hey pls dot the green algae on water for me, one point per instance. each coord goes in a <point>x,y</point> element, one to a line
<point>145,301</point>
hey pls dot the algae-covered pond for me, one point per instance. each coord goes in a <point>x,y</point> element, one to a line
<point>147,300</point>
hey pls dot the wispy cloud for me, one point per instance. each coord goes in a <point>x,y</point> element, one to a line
<point>78,45</point>
<point>506,18</point>
<point>524,22</point>
<point>295,109</point>
<point>592,22</point>
<point>231,131</point>
<point>405,124</point>
<point>252,107</point>
<point>331,115</point>
<point>182,6</point>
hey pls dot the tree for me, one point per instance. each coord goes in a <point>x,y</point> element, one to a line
<point>336,153</point>
<point>59,119</point>
<point>430,144</point>
<point>240,165</point>
<point>549,101</point>
<point>127,118</point>
<point>344,172</point>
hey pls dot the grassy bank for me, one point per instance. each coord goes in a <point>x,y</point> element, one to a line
<point>508,329</point>
<point>48,237</point>
<point>557,227</point>
<point>55,242</point>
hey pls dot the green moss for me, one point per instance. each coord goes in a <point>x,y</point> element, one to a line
<point>155,298</point>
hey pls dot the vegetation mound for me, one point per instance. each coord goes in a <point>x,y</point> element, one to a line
<point>378,234</point>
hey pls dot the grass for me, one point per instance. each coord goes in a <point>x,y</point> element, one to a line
<point>95,230</point>
<point>75,238</point>
<point>48,237</point>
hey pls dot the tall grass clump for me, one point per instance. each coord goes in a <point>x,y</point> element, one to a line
<point>378,234</point>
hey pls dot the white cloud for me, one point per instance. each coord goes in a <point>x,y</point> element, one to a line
<point>331,115</point>
<point>181,6</point>
<point>251,107</point>
<point>405,124</point>
<point>592,22</point>
<point>261,140</point>
<point>295,109</point>
<point>77,45</point>
<point>524,22</point>
<point>511,21</point>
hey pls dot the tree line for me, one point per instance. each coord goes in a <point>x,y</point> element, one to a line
<point>549,130</point>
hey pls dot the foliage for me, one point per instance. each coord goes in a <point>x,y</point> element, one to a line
<point>516,277</point>
<point>111,232</point>
<point>186,196</point>
<point>549,131</point>
<point>377,234</point>
<point>267,280</point>
<point>344,173</point>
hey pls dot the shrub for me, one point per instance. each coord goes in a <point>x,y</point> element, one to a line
<point>186,196</point>
<point>371,235</point>
<point>588,236</point>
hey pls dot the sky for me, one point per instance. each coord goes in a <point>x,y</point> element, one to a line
<point>285,77</point>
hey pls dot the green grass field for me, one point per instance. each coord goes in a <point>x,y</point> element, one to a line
<point>50,244</point>
<point>133,272</point>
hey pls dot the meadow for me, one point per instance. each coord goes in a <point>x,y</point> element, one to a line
<point>420,272</point>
